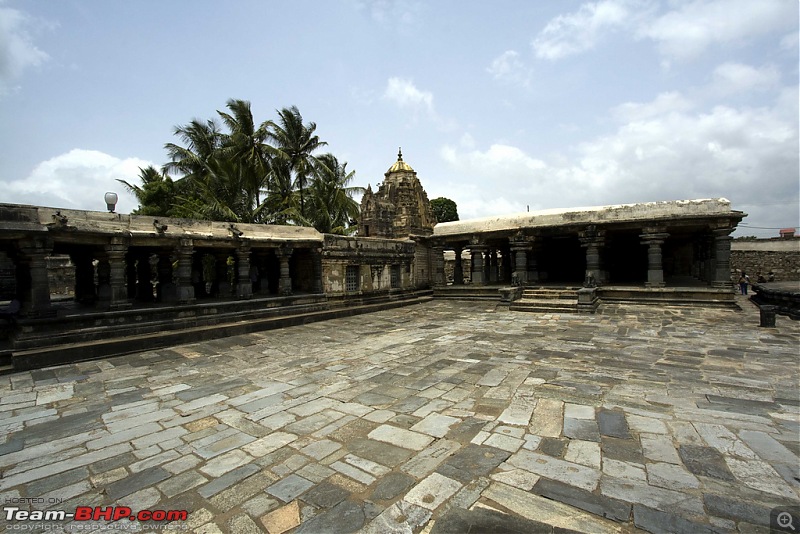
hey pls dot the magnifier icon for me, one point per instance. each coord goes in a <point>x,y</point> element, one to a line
<point>785,520</point>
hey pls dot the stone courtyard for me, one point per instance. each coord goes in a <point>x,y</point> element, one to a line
<point>444,417</point>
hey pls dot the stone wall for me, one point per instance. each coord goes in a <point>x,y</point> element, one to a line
<point>375,259</point>
<point>781,256</point>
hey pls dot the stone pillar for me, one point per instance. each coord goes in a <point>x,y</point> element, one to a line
<point>285,281</point>
<point>592,240</point>
<point>655,268</point>
<point>130,274</point>
<point>508,266</point>
<point>520,246</point>
<point>316,270</point>
<point>118,276</point>
<point>487,265</point>
<point>222,282</point>
<point>478,275</point>
<point>33,286</point>
<point>722,258</point>
<point>186,275</point>
<point>437,265</point>
<point>244,285</point>
<point>458,269</point>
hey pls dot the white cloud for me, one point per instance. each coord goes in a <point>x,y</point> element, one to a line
<point>392,13</point>
<point>664,103</point>
<point>577,32</point>
<point>662,150</point>
<point>77,180</point>
<point>406,95</point>
<point>17,50</point>
<point>732,78</point>
<point>508,68</point>
<point>689,30</point>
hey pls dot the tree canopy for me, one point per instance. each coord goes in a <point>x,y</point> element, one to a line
<point>444,209</point>
<point>231,168</point>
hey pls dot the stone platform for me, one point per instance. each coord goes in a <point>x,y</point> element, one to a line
<point>438,418</point>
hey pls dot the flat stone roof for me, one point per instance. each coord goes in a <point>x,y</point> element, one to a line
<point>645,211</point>
<point>28,218</point>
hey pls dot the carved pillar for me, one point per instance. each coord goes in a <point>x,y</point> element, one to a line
<point>476,251</point>
<point>520,245</point>
<point>33,286</point>
<point>655,268</point>
<point>592,240</point>
<point>187,275</point>
<point>130,274</point>
<point>437,265</point>
<point>458,269</point>
<point>722,258</point>
<point>244,283</point>
<point>118,276</point>
<point>285,281</point>
<point>487,265</point>
<point>316,270</point>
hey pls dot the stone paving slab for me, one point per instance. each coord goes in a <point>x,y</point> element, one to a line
<point>437,417</point>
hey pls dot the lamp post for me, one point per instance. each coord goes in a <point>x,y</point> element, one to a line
<point>111,201</point>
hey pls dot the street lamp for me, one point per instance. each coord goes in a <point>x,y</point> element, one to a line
<point>111,201</point>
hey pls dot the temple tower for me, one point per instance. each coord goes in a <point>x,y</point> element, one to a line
<point>400,208</point>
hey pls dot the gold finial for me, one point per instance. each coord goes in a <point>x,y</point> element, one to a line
<point>400,154</point>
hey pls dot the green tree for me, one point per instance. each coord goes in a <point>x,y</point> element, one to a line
<point>157,195</point>
<point>444,209</point>
<point>331,203</point>
<point>296,142</point>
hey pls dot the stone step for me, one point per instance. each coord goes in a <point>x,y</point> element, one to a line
<point>544,305</point>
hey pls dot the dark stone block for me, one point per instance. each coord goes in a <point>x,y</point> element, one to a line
<point>612,423</point>
<point>737,509</point>
<point>379,452</point>
<point>582,429</point>
<point>471,462</point>
<point>227,480</point>
<point>345,517</point>
<point>659,522</point>
<point>481,520</point>
<point>465,431</point>
<point>325,495</point>
<point>12,445</point>
<point>585,500</point>
<point>624,450</point>
<point>391,486</point>
<point>554,447</point>
<point>705,461</point>
<point>132,484</point>
<point>408,405</point>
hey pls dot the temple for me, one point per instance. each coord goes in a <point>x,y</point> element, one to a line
<point>137,282</point>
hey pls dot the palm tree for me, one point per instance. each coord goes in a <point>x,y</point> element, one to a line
<point>282,201</point>
<point>333,206</point>
<point>202,140</point>
<point>156,195</point>
<point>247,144</point>
<point>297,142</point>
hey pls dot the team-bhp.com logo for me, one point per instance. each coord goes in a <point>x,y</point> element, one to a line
<point>94,513</point>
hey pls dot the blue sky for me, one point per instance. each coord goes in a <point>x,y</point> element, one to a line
<point>499,105</point>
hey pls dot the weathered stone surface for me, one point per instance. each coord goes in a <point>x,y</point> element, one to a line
<point>391,486</point>
<point>345,517</point>
<point>705,461</point>
<point>612,423</point>
<point>471,462</point>
<point>585,500</point>
<point>400,437</point>
<point>459,521</point>
<point>663,522</point>
<point>553,468</point>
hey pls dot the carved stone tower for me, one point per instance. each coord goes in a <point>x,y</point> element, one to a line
<point>399,208</point>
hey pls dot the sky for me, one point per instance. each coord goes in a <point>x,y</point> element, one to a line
<point>502,106</point>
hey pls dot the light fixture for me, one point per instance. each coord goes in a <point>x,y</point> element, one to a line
<point>111,201</point>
